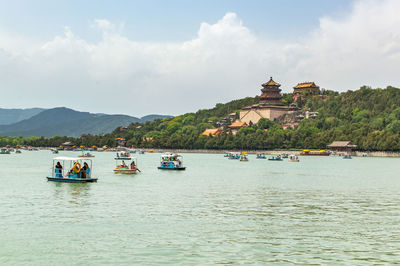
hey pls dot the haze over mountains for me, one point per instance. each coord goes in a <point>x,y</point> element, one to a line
<point>62,121</point>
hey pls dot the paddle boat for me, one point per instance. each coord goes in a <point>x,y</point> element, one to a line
<point>171,161</point>
<point>123,155</point>
<point>4,151</point>
<point>71,170</point>
<point>86,155</point>
<point>293,158</point>
<point>261,156</point>
<point>122,168</point>
<point>234,156</point>
<point>275,158</point>
<point>243,158</point>
<point>347,156</point>
<point>54,151</point>
<point>285,156</point>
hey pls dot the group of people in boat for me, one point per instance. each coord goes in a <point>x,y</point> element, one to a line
<point>75,171</point>
<point>132,165</point>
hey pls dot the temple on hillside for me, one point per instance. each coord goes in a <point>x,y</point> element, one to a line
<point>304,88</point>
<point>271,94</point>
<point>269,107</point>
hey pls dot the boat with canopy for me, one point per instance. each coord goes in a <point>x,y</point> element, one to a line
<point>71,170</point>
<point>122,168</point>
<point>170,161</point>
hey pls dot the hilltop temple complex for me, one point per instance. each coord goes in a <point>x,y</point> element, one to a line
<point>304,88</point>
<point>269,107</point>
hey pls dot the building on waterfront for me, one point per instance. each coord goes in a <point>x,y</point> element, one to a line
<point>269,107</point>
<point>212,132</point>
<point>304,88</point>
<point>342,146</point>
<point>67,145</point>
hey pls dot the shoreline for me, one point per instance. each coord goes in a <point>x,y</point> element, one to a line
<point>275,152</point>
<point>389,154</point>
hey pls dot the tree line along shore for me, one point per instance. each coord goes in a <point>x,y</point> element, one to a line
<point>370,118</point>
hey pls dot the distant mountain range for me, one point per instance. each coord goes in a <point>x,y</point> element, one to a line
<point>10,116</point>
<point>62,121</point>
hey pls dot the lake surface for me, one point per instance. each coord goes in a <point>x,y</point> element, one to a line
<point>323,210</point>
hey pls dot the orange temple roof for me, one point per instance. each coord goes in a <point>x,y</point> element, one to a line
<point>239,124</point>
<point>306,85</point>
<point>271,83</point>
<point>212,132</point>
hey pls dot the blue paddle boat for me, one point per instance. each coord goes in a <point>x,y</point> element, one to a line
<point>261,156</point>
<point>275,158</point>
<point>71,170</point>
<point>4,151</point>
<point>171,161</point>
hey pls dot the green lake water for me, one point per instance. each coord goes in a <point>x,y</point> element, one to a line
<point>323,210</point>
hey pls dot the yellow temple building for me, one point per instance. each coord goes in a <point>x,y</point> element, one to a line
<point>304,88</point>
<point>269,107</point>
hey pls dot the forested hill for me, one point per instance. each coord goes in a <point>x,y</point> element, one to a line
<point>370,118</point>
<point>10,116</point>
<point>61,121</point>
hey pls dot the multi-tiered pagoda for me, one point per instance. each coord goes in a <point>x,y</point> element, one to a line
<point>271,94</point>
<point>270,106</point>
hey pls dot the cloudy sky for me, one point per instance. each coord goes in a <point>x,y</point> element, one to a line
<point>172,57</point>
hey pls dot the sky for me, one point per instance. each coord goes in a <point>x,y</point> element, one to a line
<point>173,57</point>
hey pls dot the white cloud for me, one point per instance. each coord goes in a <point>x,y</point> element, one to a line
<point>225,61</point>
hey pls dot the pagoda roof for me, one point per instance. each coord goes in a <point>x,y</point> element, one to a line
<point>306,85</point>
<point>239,124</point>
<point>271,82</point>
<point>212,131</point>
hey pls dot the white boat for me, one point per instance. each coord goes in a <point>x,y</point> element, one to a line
<point>122,168</point>
<point>123,156</point>
<point>293,158</point>
<point>86,155</point>
<point>71,170</point>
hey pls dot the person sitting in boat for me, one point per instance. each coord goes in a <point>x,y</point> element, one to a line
<point>85,170</point>
<point>58,169</point>
<point>133,166</point>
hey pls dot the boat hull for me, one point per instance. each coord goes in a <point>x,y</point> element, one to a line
<point>171,168</point>
<point>72,180</point>
<point>125,172</point>
<point>314,154</point>
<point>122,158</point>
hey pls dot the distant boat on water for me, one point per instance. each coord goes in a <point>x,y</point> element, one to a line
<point>293,158</point>
<point>4,151</point>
